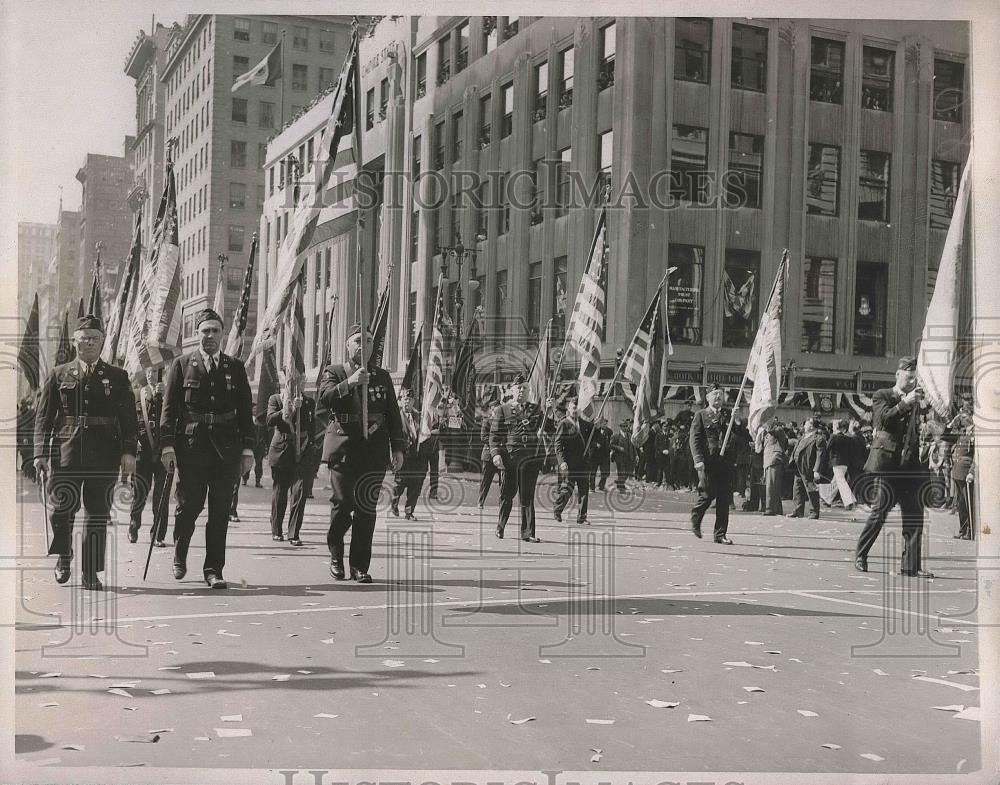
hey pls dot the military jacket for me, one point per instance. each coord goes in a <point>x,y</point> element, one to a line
<point>344,435</point>
<point>514,430</point>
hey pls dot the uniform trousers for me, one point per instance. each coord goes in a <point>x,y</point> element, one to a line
<point>409,479</point>
<point>773,479</point>
<point>355,484</point>
<point>201,476</point>
<point>889,490</point>
<point>67,490</point>
<point>803,488</point>
<point>520,475</point>
<point>966,506</point>
<point>603,463</point>
<point>578,477</point>
<point>288,480</point>
<point>489,472</point>
<point>717,487</point>
<point>149,475</point>
<point>622,473</point>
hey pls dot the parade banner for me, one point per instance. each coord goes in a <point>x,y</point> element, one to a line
<point>234,343</point>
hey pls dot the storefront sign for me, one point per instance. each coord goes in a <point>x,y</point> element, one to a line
<point>824,383</point>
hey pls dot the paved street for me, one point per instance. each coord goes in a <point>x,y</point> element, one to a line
<point>473,653</point>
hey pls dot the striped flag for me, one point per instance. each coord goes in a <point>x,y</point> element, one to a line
<point>234,343</point>
<point>936,360</point>
<point>267,72</point>
<point>295,338</point>
<point>219,303</point>
<point>587,323</point>
<point>413,377</point>
<point>126,291</point>
<point>764,365</point>
<point>538,379</point>
<point>331,186</point>
<point>28,352</point>
<point>434,381</point>
<point>642,365</point>
<point>379,325</point>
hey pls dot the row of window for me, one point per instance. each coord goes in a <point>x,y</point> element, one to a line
<point>199,85</point>
<point>238,154</point>
<point>191,58</point>
<point>243,30</point>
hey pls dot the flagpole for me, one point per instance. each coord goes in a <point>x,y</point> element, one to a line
<point>356,98</point>
<point>739,395</point>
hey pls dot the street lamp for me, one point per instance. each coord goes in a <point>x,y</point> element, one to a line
<point>459,253</point>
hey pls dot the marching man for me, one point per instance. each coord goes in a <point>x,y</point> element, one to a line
<point>290,457</point>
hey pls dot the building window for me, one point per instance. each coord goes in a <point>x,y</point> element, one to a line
<point>606,146</point>
<point>236,238</point>
<point>743,181</point>
<point>870,289</point>
<point>444,60</point>
<point>266,114</point>
<point>507,121</point>
<point>383,101</point>
<point>326,41</point>
<point>823,180</point>
<point>261,154</point>
<point>239,113</point>
<point>749,66</point>
<point>268,33</point>
<point>241,29</point>
<point>422,75</point>
<point>819,286</point>
<point>484,122</point>
<point>685,293</point>
<point>566,77</point>
<point>878,71</point>
<point>949,90</point>
<point>541,91</point>
<point>240,66</point>
<point>511,26</point>
<point>237,154</point>
<point>234,278</point>
<point>504,204</point>
<point>873,193</point>
<point>606,68</point>
<point>456,130</point>
<point>692,49</point>
<point>237,196</point>
<point>439,143</point>
<point>415,158</point>
<point>370,109</point>
<point>489,33</point>
<point>534,314</point>
<point>560,298</point>
<point>327,77</point>
<point>300,38</point>
<point>270,181</point>
<point>328,258</point>
<point>945,177</point>
<point>318,267</point>
<point>462,59</point>
<point>740,294</point>
<point>689,164</point>
<point>826,76</point>
<point>564,184</point>
<point>299,77</point>
<point>414,236</point>
<point>482,214</point>
<point>317,339</point>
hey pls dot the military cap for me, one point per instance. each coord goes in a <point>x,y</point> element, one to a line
<point>907,364</point>
<point>713,387</point>
<point>355,330</point>
<point>90,322</point>
<point>206,315</point>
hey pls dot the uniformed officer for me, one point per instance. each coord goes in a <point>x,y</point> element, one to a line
<point>357,465</point>
<point>149,471</point>
<point>410,477</point>
<point>715,469</point>
<point>88,406</point>
<point>293,417</point>
<point>488,469</point>
<point>517,451</point>
<point>207,428</point>
<point>572,435</point>
<point>894,461</point>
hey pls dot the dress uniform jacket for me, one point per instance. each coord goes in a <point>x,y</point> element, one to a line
<point>149,407</point>
<point>708,430</point>
<point>344,436</point>
<point>282,450</point>
<point>571,443</point>
<point>93,420</point>
<point>514,431</point>
<point>895,440</point>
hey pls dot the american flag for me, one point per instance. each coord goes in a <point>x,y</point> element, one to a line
<point>295,338</point>
<point>434,382</point>
<point>331,186</point>
<point>155,331</point>
<point>587,323</point>
<point>126,290</point>
<point>764,365</point>
<point>642,365</point>
<point>234,343</point>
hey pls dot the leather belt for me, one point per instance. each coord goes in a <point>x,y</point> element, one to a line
<point>211,418</point>
<point>345,418</point>
<point>87,420</point>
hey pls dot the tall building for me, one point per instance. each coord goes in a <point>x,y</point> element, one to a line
<point>104,218</point>
<point>221,137</point>
<point>145,64</point>
<point>36,245</point>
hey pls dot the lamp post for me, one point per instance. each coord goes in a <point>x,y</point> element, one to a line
<point>459,253</point>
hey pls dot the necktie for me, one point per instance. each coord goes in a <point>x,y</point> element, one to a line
<point>211,364</point>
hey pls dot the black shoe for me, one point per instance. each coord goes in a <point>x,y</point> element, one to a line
<point>257,484</point>
<point>916,573</point>
<point>215,582</point>
<point>234,517</point>
<point>133,533</point>
<point>557,516</point>
<point>530,539</point>
<point>814,516</point>
<point>360,577</point>
<point>294,541</point>
<point>696,530</point>
<point>395,510</point>
<point>410,516</point>
<point>63,564</point>
<point>244,482</point>
<point>583,522</point>
<point>278,537</point>
<point>337,570</point>
<point>723,541</point>
<point>180,570</point>
<point>861,564</point>
<point>159,544</point>
<point>499,532</point>
<point>92,583</point>
<point>962,537</point>
<point>794,515</point>
<point>770,514</point>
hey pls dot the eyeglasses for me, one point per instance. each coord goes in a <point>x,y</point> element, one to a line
<point>89,338</point>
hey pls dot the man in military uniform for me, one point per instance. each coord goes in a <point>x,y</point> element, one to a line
<point>293,419</point>
<point>88,406</point>
<point>517,451</point>
<point>600,454</point>
<point>899,477</point>
<point>489,470</point>
<point>207,429</point>
<point>715,469</point>
<point>149,471</point>
<point>358,464</point>
<point>572,435</point>
<point>410,477</point>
